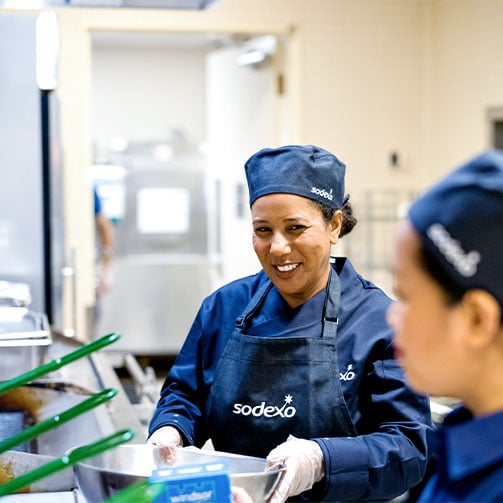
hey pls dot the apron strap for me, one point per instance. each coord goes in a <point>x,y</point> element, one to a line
<point>332,305</point>
<point>254,305</point>
<point>331,308</point>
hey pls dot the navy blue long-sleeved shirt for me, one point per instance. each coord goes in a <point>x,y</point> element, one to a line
<point>389,454</point>
<point>469,459</point>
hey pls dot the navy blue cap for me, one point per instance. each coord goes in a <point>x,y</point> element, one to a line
<point>306,171</point>
<point>460,222</point>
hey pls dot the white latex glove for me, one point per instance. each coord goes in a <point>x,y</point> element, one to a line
<point>304,466</point>
<point>165,440</point>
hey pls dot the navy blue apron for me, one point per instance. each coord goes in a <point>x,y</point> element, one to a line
<point>266,388</point>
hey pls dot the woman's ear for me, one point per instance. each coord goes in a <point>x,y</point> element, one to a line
<point>484,316</point>
<point>335,227</point>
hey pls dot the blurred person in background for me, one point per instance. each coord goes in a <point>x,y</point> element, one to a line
<point>105,238</point>
<point>448,327</point>
<point>295,363</point>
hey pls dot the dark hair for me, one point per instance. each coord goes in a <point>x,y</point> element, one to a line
<point>453,292</point>
<point>348,218</point>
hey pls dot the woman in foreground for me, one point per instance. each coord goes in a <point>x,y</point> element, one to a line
<point>448,272</point>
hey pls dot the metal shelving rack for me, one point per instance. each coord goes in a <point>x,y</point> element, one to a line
<point>370,247</point>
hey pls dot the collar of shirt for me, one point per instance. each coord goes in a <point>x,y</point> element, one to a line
<point>471,443</point>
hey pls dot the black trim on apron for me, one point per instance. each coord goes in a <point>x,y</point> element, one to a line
<point>266,388</point>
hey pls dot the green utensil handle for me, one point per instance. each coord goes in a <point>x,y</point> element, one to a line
<point>57,363</point>
<point>54,421</point>
<point>140,492</point>
<point>75,456</point>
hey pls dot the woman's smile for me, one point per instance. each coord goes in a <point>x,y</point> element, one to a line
<point>287,267</point>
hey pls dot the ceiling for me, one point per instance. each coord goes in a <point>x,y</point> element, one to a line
<point>164,40</point>
<point>143,4</point>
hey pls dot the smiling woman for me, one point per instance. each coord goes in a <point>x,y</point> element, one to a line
<point>292,242</point>
<point>282,236</point>
<point>295,363</point>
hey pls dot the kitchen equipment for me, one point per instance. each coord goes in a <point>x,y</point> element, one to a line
<point>16,463</point>
<point>57,363</point>
<point>42,399</point>
<point>14,294</point>
<point>32,218</point>
<point>108,474</point>
<point>54,421</point>
<point>161,265</point>
<point>76,455</point>
<point>20,326</point>
<point>24,339</point>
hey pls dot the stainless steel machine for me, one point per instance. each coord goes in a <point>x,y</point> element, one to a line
<point>162,266</point>
<point>31,215</point>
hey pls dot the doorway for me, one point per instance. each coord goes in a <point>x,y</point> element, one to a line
<point>495,120</point>
<point>498,134</point>
<point>175,116</point>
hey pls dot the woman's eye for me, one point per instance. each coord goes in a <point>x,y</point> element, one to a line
<point>261,230</point>
<point>296,228</point>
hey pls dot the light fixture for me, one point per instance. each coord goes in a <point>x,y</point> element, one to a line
<point>252,57</point>
<point>47,36</point>
<point>257,51</point>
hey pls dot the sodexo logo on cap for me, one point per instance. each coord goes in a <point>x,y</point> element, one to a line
<point>322,193</point>
<point>465,263</point>
<point>303,170</point>
<point>459,221</point>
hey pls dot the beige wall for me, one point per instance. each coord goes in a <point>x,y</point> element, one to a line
<point>368,77</point>
<point>467,78</point>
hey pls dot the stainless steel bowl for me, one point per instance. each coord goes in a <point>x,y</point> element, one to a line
<point>103,476</point>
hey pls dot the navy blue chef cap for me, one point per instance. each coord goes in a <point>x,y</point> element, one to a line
<point>307,171</point>
<point>460,222</point>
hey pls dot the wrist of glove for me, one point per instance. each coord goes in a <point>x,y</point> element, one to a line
<point>304,466</point>
<point>165,441</point>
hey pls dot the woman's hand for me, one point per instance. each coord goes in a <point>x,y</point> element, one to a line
<point>239,495</point>
<point>165,440</point>
<point>304,464</point>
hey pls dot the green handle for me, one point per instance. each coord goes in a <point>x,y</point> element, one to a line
<point>75,456</point>
<point>54,421</point>
<point>140,492</point>
<point>57,363</point>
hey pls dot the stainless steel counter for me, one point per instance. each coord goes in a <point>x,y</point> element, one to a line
<point>59,497</point>
<point>92,374</point>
